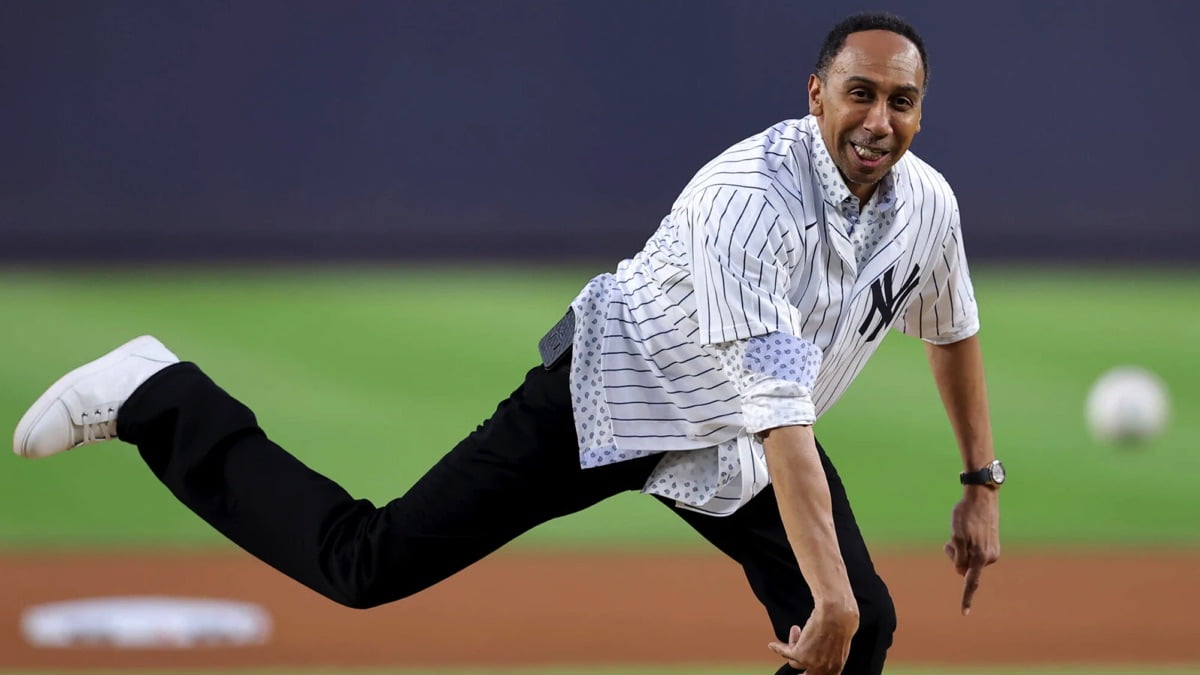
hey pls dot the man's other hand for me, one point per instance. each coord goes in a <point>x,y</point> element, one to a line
<point>822,646</point>
<point>974,537</point>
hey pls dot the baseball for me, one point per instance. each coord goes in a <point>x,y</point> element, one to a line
<point>1127,405</point>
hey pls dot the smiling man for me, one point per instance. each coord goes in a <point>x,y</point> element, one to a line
<point>694,372</point>
<point>866,96</point>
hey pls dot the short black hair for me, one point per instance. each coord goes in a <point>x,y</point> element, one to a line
<point>858,23</point>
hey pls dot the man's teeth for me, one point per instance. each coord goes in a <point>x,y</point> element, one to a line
<point>868,153</point>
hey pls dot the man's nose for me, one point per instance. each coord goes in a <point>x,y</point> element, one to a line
<point>879,121</point>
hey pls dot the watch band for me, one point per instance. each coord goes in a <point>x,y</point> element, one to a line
<point>992,475</point>
<point>980,477</point>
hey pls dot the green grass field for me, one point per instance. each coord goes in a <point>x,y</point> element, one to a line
<point>370,375</point>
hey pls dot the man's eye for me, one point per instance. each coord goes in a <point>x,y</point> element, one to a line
<point>859,93</point>
<point>903,103</point>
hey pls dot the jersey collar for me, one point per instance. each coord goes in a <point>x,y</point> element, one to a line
<point>834,187</point>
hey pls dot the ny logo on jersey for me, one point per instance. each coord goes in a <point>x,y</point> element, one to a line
<point>885,302</point>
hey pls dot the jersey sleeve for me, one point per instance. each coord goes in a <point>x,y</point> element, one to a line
<point>945,310</point>
<point>774,375</point>
<point>743,255</point>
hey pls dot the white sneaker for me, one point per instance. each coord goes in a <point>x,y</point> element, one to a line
<point>81,407</point>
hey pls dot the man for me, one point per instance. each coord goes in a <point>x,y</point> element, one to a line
<point>694,373</point>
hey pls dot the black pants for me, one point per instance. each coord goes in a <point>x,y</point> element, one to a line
<point>518,469</point>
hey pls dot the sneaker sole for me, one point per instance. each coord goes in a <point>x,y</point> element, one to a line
<point>145,346</point>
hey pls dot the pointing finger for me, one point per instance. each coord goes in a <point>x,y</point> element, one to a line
<point>970,585</point>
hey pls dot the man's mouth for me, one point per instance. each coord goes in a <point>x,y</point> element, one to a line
<point>868,154</point>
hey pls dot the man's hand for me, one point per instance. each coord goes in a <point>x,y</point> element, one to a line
<point>821,647</point>
<point>806,509</point>
<point>974,537</point>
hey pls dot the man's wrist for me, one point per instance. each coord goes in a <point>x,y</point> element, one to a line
<point>837,606</point>
<point>979,492</point>
<point>990,475</point>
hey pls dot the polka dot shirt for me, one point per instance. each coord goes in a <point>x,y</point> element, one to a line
<point>865,224</point>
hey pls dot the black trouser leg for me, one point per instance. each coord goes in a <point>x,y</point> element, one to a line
<point>517,470</point>
<point>755,538</point>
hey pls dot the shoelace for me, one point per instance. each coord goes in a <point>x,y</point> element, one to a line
<point>102,429</point>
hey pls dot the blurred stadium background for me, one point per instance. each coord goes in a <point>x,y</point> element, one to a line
<point>359,217</point>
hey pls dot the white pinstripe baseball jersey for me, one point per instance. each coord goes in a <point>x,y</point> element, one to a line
<point>755,304</point>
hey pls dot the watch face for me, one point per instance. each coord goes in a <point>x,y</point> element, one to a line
<point>997,471</point>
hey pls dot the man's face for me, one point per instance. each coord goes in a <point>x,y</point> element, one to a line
<point>868,106</point>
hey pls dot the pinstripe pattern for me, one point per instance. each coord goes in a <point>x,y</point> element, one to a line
<point>757,243</point>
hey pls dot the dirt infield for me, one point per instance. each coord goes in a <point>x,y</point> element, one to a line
<point>518,609</point>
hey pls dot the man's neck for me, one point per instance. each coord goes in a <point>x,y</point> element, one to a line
<point>863,191</point>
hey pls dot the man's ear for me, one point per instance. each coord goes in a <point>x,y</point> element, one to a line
<point>815,93</point>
